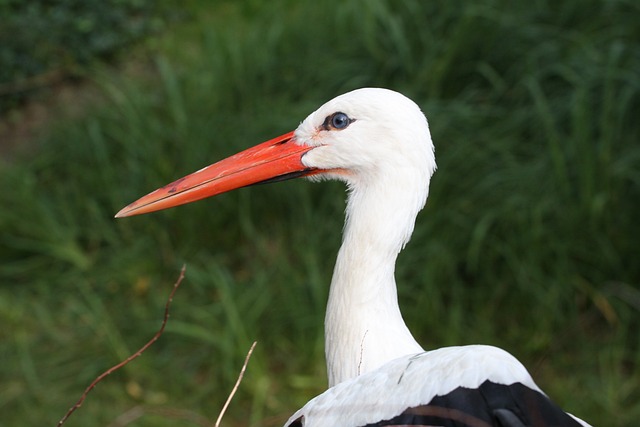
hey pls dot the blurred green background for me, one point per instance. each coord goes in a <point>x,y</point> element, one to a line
<point>530,238</point>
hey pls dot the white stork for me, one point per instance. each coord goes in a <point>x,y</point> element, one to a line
<point>378,142</point>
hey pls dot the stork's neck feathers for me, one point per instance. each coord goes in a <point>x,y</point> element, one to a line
<point>378,141</point>
<point>364,327</point>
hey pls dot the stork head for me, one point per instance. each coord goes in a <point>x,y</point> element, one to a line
<point>367,137</point>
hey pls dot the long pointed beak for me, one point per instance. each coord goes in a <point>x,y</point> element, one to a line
<point>275,160</point>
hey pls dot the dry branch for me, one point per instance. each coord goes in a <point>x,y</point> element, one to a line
<point>130,358</point>
<point>235,387</point>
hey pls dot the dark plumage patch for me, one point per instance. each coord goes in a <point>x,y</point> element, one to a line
<point>297,422</point>
<point>490,405</point>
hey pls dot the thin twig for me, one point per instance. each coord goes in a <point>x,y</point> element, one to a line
<point>130,358</point>
<point>235,387</point>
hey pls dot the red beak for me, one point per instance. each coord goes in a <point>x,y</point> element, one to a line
<point>275,160</point>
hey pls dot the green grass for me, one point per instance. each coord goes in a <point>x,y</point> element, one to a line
<point>529,240</point>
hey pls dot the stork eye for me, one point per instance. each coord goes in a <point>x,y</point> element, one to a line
<point>340,121</point>
<point>337,121</point>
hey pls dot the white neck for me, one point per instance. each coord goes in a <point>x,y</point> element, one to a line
<point>363,326</point>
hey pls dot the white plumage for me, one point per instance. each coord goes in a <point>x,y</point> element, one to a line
<point>386,158</point>
<point>413,381</point>
<point>378,142</point>
<point>384,393</point>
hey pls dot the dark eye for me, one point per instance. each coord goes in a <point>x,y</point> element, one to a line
<point>337,121</point>
<point>340,120</point>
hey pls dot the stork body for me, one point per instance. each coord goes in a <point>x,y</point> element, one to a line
<point>378,142</point>
<point>474,386</point>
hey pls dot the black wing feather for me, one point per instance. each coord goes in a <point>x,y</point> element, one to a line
<point>490,405</point>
